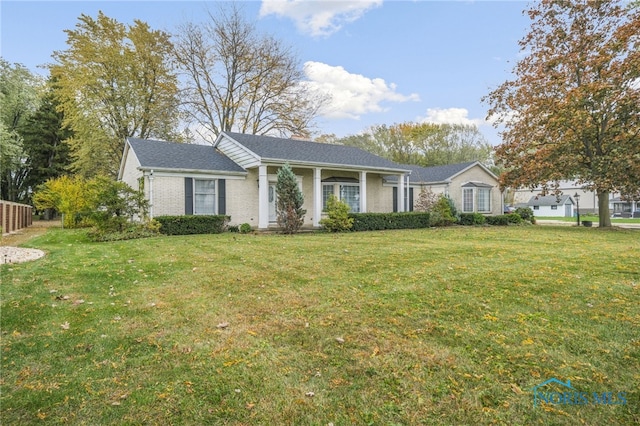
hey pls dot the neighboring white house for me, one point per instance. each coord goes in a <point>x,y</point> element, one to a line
<point>588,199</point>
<point>237,177</point>
<point>552,206</point>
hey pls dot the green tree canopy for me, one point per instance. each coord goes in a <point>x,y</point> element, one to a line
<point>113,82</point>
<point>571,111</point>
<point>424,144</point>
<point>19,98</point>
<point>47,156</point>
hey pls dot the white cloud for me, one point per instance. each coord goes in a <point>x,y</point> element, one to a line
<point>318,18</point>
<point>450,116</point>
<point>352,95</point>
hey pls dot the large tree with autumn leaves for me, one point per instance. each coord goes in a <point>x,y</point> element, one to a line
<point>114,81</point>
<point>572,110</point>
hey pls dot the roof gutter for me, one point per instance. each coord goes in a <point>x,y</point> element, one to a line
<point>195,171</point>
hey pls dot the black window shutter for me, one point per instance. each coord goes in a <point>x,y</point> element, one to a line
<point>222,195</point>
<point>188,195</point>
<point>395,199</point>
<point>410,199</point>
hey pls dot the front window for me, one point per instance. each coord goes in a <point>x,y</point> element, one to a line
<point>327,191</point>
<point>554,207</point>
<point>484,200</point>
<point>350,194</point>
<point>467,200</point>
<point>204,196</point>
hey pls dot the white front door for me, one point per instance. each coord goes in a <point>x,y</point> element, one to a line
<point>272,202</point>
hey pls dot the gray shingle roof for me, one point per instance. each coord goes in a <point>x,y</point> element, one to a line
<point>433,174</point>
<point>549,200</point>
<point>291,150</point>
<point>181,156</point>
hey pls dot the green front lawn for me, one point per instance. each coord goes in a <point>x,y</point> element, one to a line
<point>436,326</point>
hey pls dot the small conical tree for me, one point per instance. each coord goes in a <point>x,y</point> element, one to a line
<point>289,211</point>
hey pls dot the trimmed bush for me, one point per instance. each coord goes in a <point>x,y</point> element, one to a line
<point>130,232</point>
<point>192,224</point>
<point>505,219</point>
<point>469,219</point>
<point>444,212</point>
<point>245,228</point>
<point>514,218</point>
<point>526,213</point>
<point>380,221</point>
<point>337,219</point>
<point>500,220</point>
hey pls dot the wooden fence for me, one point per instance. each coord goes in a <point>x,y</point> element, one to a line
<point>14,216</point>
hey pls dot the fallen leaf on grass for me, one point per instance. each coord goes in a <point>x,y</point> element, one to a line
<point>65,326</point>
<point>339,340</point>
<point>516,389</point>
<point>310,394</point>
<point>223,325</point>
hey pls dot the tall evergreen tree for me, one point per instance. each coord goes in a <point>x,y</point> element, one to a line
<point>47,156</point>
<point>289,211</point>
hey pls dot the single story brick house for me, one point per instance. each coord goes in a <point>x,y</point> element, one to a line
<point>237,176</point>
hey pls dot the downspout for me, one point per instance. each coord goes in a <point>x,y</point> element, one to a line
<point>151,194</point>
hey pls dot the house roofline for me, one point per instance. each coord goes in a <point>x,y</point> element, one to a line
<point>475,163</point>
<point>195,171</point>
<point>332,166</point>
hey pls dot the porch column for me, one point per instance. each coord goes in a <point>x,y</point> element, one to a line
<point>317,196</point>
<point>263,198</point>
<point>363,192</point>
<point>151,194</point>
<point>401,193</point>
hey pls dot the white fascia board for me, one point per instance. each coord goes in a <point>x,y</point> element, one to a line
<point>343,167</point>
<point>125,153</point>
<point>418,183</point>
<point>194,173</point>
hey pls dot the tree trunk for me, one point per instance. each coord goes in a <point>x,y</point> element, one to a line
<point>603,209</point>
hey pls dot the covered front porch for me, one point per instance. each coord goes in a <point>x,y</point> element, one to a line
<point>362,190</point>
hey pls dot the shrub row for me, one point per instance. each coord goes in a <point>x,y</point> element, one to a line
<point>380,221</point>
<point>505,219</point>
<point>192,224</point>
<point>469,219</point>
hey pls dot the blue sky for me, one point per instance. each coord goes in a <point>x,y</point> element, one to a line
<point>383,62</point>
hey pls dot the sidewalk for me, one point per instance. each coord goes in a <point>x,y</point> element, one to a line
<point>595,224</point>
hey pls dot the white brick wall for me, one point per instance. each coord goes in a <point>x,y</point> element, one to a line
<point>168,195</point>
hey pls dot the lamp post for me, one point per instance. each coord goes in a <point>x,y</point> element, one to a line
<point>577,197</point>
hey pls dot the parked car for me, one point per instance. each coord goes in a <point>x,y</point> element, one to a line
<point>509,209</point>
